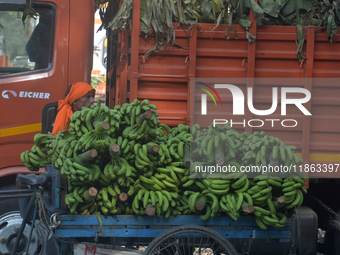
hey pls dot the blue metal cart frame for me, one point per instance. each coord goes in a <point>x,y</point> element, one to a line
<point>133,226</point>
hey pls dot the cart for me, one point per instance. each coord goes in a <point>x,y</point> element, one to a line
<point>176,235</point>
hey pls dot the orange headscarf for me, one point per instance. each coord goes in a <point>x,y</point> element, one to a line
<point>78,90</point>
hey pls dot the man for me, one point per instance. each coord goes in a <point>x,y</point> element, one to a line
<point>38,46</point>
<point>81,94</point>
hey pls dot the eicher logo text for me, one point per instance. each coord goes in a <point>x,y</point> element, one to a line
<point>25,94</point>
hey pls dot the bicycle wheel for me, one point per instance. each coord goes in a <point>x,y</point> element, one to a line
<point>190,240</point>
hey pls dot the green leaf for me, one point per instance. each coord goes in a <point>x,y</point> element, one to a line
<point>316,22</point>
<point>230,23</point>
<point>241,9</point>
<point>218,6</point>
<point>337,11</point>
<point>206,9</point>
<point>168,19</point>
<point>251,38</point>
<point>301,40</point>
<point>258,12</point>
<point>291,18</point>
<point>288,8</point>
<point>270,7</point>
<point>269,21</point>
<point>222,13</point>
<point>304,4</point>
<point>173,8</point>
<point>213,11</point>
<point>247,4</point>
<point>245,23</point>
<point>332,28</point>
<point>145,25</point>
<point>234,3</point>
<point>326,3</point>
<point>286,21</point>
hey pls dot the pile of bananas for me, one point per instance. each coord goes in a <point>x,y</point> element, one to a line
<point>123,161</point>
<point>95,122</point>
<point>38,156</point>
<point>216,144</point>
<point>261,149</point>
<point>79,174</point>
<point>139,120</point>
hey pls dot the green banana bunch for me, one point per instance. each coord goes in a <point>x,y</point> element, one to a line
<point>151,155</point>
<point>126,147</point>
<point>204,203</point>
<point>33,161</point>
<point>81,201</point>
<point>107,199</point>
<point>40,153</point>
<point>180,129</point>
<point>260,149</point>
<point>101,146</point>
<point>43,139</point>
<point>84,121</point>
<point>62,149</point>
<point>216,186</point>
<point>219,145</point>
<point>139,120</point>
<point>232,205</point>
<point>293,191</point>
<point>78,173</point>
<point>118,169</point>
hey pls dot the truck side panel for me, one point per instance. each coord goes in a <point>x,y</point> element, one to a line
<point>81,41</point>
<point>164,79</point>
<point>72,62</point>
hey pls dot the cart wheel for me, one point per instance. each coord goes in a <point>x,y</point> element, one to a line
<point>190,240</point>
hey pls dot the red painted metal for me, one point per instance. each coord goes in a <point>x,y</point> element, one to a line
<point>191,68</point>
<point>164,78</point>
<point>134,50</point>
<point>119,98</point>
<point>80,41</point>
<point>72,62</point>
<point>113,50</point>
<point>18,170</point>
<point>306,133</point>
<point>251,65</point>
<point>123,65</point>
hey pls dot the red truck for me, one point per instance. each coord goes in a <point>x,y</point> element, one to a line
<point>165,79</point>
<point>67,48</point>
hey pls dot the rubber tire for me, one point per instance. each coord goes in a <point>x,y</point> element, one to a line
<point>8,205</point>
<point>193,229</point>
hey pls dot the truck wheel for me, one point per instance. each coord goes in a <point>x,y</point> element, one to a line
<point>188,240</point>
<point>9,227</point>
<point>8,205</point>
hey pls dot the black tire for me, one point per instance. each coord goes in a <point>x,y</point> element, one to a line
<point>8,205</point>
<point>185,240</point>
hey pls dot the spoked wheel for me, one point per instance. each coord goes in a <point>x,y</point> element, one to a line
<point>190,240</point>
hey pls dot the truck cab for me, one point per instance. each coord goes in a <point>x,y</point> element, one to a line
<point>55,45</point>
